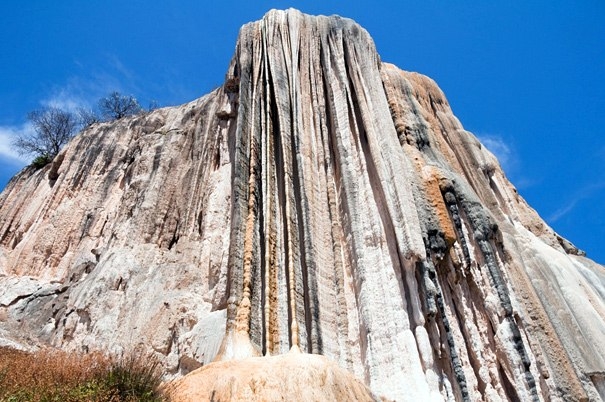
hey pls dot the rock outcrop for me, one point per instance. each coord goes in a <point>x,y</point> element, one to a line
<point>320,200</point>
<point>291,376</point>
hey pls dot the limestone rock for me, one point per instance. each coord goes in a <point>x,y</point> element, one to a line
<point>293,376</point>
<point>320,200</point>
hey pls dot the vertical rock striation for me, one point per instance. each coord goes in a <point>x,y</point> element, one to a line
<point>319,201</point>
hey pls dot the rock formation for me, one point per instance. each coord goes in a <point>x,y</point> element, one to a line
<point>320,201</point>
<point>292,376</point>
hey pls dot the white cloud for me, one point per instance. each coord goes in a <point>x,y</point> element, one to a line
<point>584,192</point>
<point>7,153</point>
<point>564,210</point>
<point>65,99</point>
<point>85,90</point>
<point>510,161</point>
<point>500,149</point>
<point>80,91</point>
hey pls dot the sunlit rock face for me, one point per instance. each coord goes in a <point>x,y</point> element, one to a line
<point>291,376</point>
<point>320,200</point>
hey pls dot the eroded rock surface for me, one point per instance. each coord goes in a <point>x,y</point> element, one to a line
<point>291,376</point>
<point>320,200</point>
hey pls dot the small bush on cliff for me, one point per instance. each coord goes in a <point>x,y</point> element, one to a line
<point>51,375</point>
<point>40,161</point>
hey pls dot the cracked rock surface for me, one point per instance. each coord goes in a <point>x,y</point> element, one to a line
<point>320,201</point>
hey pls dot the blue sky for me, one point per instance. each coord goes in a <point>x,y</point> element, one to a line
<point>525,77</point>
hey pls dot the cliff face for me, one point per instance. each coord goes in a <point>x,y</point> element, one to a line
<point>319,200</point>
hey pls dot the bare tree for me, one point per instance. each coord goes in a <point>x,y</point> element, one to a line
<point>153,105</point>
<point>53,128</point>
<point>88,117</point>
<point>115,106</point>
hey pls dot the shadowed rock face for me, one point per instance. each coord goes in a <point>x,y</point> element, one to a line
<point>320,201</point>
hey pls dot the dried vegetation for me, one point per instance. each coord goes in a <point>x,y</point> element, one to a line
<point>53,375</point>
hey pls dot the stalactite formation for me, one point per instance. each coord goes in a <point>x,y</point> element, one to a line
<point>319,202</point>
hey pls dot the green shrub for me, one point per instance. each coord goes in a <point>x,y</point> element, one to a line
<point>134,377</point>
<point>40,161</point>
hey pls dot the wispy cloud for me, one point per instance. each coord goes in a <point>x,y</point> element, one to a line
<point>128,76</point>
<point>567,208</point>
<point>67,98</point>
<point>582,194</point>
<point>500,148</point>
<point>7,152</point>
<point>80,91</point>
<point>84,90</point>
<point>504,150</point>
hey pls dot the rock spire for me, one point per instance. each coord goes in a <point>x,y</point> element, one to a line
<point>320,201</point>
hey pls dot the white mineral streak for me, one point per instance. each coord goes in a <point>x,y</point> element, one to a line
<point>320,201</point>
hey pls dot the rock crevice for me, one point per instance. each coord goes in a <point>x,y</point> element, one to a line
<point>319,201</point>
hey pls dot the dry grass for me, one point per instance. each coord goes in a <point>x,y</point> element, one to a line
<point>53,375</point>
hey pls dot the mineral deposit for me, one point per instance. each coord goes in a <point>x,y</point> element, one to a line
<point>319,202</point>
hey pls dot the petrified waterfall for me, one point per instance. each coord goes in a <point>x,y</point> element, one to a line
<point>320,201</point>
